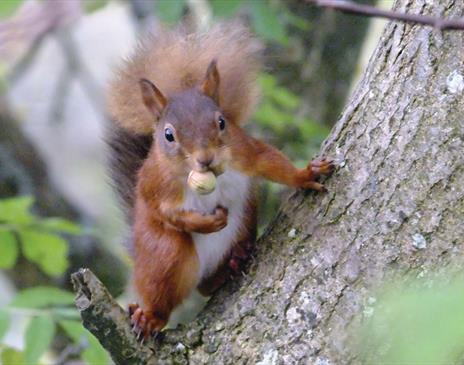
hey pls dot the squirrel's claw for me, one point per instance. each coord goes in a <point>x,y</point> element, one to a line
<point>321,167</point>
<point>315,186</point>
<point>316,168</point>
<point>238,258</point>
<point>143,326</point>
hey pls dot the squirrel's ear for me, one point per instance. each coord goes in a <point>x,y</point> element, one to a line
<point>153,99</point>
<point>210,85</point>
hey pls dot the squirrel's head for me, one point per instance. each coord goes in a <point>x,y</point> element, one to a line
<point>190,129</point>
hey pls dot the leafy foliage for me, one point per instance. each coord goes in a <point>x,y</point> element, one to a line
<point>38,237</point>
<point>46,306</point>
<point>225,8</point>
<point>279,115</point>
<point>9,249</point>
<point>8,7</point>
<point>93,5</point>
<point>170,10</point>
<point>39,335</point>
<point>48,251</point>
<point>269,19</point>
<point>11,356</point>
<point>415,323</point>
<point>266,22</point>
<point>93,354</point>
<point>42,297</point>
<point>279,120</point>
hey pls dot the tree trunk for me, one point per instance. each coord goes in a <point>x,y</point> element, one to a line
<point>396,204</point>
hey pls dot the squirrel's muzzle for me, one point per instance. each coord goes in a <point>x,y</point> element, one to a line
<point>207,160</point>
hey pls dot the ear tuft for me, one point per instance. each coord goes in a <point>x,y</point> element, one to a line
<point>153,99</point>
<point>210,85</point>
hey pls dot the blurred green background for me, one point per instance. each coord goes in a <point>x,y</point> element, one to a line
<point>57,211</point>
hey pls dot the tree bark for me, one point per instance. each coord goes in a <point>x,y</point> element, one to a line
<point>395,205</point>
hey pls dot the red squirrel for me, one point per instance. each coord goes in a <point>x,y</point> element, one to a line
<point>178,105</point>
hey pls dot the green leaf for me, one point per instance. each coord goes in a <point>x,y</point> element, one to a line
<point>42,296</point>
<point>11,356</point>
<point>278,94</point>
<point>297,21</point>
<point>4,322</point>
<point>93,5</point>
<point>285,98</point>
<point>314,130</point>
<point>60,225</point>
<point>421,323</point>
<point>94,354</point>
<point>66,313</point>
<point>270,116</point>
<point>225,8</point>
<point>73,329</point>
<point>16,210</point>
<point>7,7</point>
<point>267,83</point>
<point>266,22</point>
<point>48,251</point>
<point>169,11</point>
<point>8,249</point>
<point>39,335</point>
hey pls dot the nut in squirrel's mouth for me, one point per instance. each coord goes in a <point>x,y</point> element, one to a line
<point>202,183</point>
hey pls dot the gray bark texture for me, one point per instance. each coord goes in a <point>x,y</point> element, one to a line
<point>395,205</point>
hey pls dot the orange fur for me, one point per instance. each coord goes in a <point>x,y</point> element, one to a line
<point>165,283</point>
<point>256,158</point>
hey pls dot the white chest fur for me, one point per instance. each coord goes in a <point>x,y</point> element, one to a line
<point>232,191</point>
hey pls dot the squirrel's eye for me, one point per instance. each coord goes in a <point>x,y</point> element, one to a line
<point>169,135</point>
<point>222,123</point>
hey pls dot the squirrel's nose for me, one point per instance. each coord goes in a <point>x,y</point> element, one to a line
<point>204,163</point>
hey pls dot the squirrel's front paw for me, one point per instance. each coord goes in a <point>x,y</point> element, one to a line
<point>321,167</point>
<point>306,177</point>
<point>211,222</point>
<point>219,219</point>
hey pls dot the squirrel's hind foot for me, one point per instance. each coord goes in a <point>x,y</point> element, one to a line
<point>239,257</point>
<point>144,324</point>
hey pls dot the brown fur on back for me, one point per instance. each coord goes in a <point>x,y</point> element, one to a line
<point>175,61</point>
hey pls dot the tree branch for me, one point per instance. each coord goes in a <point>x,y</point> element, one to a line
<point>367,10</point>
<point>107,321</point>
<point>110,324</point>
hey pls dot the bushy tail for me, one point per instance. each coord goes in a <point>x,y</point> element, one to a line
<point>176,60</point>
<point>127,151</point>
